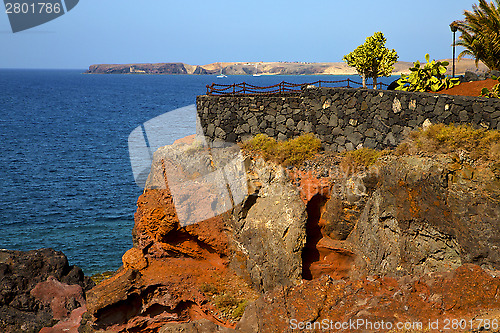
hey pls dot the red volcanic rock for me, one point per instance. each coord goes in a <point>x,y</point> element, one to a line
<point>466,293</point>
<point>163,275</point>
<point>61,298</point>
<point>470,88</point>
<point>68,325</point>
<point>309,184</point>
<point>134,259</point>
<point>387,243</point>
<point>157,231</point>
<point>168,290</point>
<point>66,302</point>
<point>335,259</point>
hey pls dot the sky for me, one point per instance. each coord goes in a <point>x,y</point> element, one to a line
<point>199,32</point>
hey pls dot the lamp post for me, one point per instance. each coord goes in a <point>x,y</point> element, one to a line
<point>454,28</point>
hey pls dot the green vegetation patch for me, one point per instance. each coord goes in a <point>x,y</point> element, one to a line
<point>494,92</point>
<point>430,77</point>
<point>290,152</point>
<point>99,277</point>
<point>479,33</point>
<point>230,305</point>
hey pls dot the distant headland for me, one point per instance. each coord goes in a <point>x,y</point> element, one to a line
<point>259,68</point>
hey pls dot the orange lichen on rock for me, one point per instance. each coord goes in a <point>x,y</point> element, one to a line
<point>465,293</point>
<point>309,184</point>
<point>134,259</point>
<point>155,216</point>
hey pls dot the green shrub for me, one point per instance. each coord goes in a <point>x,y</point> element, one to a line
<point>99,277</point>
<point>226,301</point>
<point>299,149</point>
<point>430,77</point>
<point>290,152</point>
<point>494,92</point>
<point>263,144</point>
<point>238,312</point>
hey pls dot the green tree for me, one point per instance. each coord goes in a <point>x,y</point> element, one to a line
<point>372,59</point>
<point>481,33</point>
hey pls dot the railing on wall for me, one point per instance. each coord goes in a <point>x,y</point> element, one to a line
<point>280,88</point>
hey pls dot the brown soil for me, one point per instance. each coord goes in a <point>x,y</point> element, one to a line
<point>470,88</point>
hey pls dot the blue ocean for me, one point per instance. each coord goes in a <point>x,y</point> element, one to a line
<point>66,180</point>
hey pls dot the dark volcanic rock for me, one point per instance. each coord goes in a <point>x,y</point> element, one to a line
<point>470,76</point>
<point>30,281</point>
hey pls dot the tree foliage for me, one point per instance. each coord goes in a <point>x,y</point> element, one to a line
<point>481,33</point>
<point>372,59</point>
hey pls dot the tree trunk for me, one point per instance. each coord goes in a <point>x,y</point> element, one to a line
<point>374,82</point>
<point>364,80</point>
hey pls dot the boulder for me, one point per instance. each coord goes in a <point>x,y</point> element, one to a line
<point>469,76</point>
<point>38,289</point>
<point>269,229</point>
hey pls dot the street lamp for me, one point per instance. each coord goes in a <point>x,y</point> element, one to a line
<point>454,28</point>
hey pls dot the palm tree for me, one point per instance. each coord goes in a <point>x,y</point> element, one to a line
<point>481,34</point>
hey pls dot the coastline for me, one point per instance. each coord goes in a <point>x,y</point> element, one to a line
<point>262,68</point>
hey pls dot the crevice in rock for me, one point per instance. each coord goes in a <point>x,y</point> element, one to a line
<point>181,239</point>
<point>249,202</point>
<point>118,313</point>
<point>310,252</point>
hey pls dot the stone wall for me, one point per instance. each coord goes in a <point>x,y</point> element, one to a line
<point>343,118</point>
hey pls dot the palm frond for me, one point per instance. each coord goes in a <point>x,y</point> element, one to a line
<point>480,33</point>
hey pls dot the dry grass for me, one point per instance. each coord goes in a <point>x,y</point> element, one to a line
<point>290,152</point>
<point>231,303</point>
<point>363,157</point>
<point>479,143</point>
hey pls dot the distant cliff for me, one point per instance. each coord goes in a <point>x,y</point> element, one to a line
<point>160,68</point>
<point>263,68</point>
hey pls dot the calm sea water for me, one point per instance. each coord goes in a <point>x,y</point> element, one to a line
<point>65,176</point>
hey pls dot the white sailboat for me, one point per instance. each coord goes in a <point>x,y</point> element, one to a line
<point>221,75</point>
<point>257,70</point>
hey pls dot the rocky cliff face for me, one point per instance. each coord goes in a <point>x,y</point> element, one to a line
<point>161,68</point>
<point>379,304</point>
<point>406,215</point>
<point>271,68</point>
<point>409,238</point>
<point>268,231</point>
